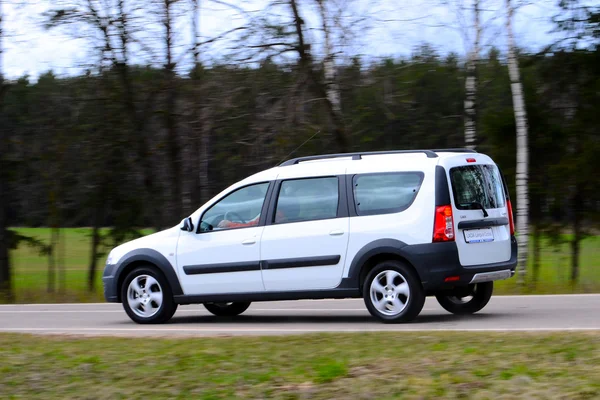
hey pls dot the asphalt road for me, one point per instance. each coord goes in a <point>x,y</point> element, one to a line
<point>503,313</point>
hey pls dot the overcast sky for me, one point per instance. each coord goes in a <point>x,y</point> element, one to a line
<point>394,29</point>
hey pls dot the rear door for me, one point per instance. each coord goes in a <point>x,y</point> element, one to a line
<point>304,246</point>
<point>480,210</point>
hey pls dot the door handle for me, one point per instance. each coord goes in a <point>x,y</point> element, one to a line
<point>336,233</point>
<point>248,242</point>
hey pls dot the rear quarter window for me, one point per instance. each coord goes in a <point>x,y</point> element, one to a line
<point>477,184</point>
<point>307,199</point>
<point>385,193</point>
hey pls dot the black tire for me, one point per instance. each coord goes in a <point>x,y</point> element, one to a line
<point>413,302</point>
<point>480,294</point>
<point>227,309</point>
<point>161,312</point>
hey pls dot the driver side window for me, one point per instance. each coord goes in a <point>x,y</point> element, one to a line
<point>239,209</point>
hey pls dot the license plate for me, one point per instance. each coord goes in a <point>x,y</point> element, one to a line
<point>479,235</point>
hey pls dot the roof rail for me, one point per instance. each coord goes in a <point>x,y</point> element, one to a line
<point>456,150</point>
<point>355,156</point>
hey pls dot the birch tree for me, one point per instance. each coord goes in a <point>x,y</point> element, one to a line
<point>471,83</point>
<point>522,146</point>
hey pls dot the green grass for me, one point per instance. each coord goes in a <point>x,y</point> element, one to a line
<point>342,366</point>
<point>30,269</point>
<point>555,270</point>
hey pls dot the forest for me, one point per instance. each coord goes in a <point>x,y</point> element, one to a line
<point>125,146</point>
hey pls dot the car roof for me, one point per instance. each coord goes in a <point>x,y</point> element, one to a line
<point>336,164</point>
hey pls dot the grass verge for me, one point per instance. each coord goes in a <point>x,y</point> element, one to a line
<point>327,366</point>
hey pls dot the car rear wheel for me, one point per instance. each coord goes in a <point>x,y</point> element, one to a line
<point>467,300</point>
<point>393,292</point>
<point>227,309</point>
<point>147,297</point>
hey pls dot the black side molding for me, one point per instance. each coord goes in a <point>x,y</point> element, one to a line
<point>221,268</point>
<point>483,223</point>
<point>257,265</point>
<point>337,293</point>
<point>300,262</point>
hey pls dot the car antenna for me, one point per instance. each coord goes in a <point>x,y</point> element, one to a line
<point>298,148</point>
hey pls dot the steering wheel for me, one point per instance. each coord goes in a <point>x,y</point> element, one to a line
<point>235,215</point>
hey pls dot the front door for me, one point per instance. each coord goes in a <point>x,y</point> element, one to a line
<point>223,255</point>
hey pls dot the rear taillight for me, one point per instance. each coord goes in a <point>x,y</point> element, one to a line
<point>443,228</point>
<point>511,221</point>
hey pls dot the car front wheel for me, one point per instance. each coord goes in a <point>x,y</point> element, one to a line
<point>147,297</point>
<point>467,300</point>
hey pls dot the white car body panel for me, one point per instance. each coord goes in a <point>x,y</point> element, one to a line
<point>220,247</point>
<point>300,240</point>
<point>165,242</point>
<point>471,254</point>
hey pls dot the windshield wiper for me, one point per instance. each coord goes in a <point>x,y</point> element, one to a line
<point>478,205</point>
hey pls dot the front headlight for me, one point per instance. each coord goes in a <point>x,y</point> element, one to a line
<point>110,258</point>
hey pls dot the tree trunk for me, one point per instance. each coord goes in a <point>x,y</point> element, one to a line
<point>522,148</point>
<point>174,151</point>
<point>138,122</point>
<point>143,152</point>
<point>51,279</point>
<point>330,85</point>
<point>471,85</point>
<point>200,128</point>
<point>575,253</point>
<point>62,272</point>
<point>306,64</point>
<point>577,205</point>
<point>205,152</point>
<point>97,221</point>
<point>5,270</point>
<point>536,254</point>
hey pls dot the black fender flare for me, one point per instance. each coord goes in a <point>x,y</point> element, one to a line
<point>381,246</point>
<point>152,257</point>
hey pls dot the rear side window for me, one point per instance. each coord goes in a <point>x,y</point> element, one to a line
<point>385,193</point>
<point>474,184</point>
<point>307,200</point>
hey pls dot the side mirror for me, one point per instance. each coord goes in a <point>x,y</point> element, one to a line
<point>187,225</point>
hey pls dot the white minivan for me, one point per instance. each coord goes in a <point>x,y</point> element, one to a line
<point>391,227</point>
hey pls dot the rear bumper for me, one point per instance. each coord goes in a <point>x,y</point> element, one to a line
<point>437,261</point>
